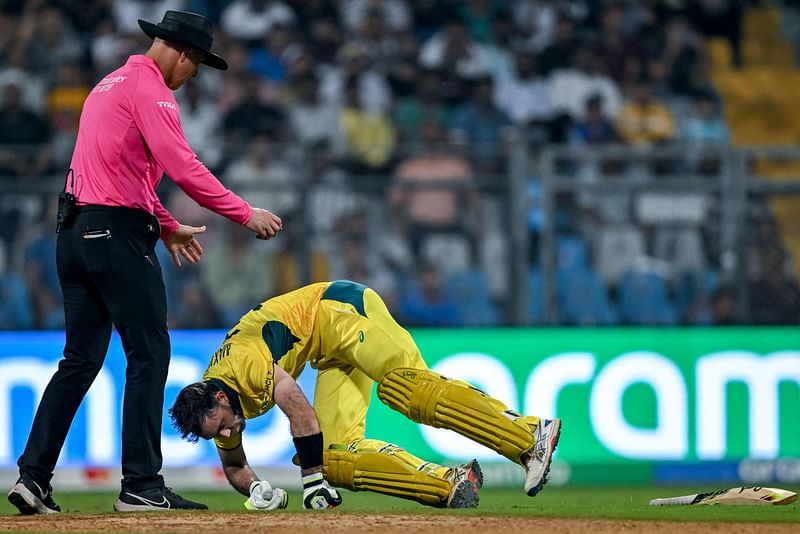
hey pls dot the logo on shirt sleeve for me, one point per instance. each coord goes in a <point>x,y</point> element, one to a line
<point>165,104</point>
<point>108,83</point>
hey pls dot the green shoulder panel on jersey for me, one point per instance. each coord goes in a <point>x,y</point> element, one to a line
<point>279,338</point>
<point>347,292</point>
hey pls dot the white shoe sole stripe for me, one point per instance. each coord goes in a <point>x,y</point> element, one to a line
<point>32,500</point>
<point>121,506</point>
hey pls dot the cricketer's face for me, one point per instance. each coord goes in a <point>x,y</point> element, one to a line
<point>222,422</point>
<point>187,66</point>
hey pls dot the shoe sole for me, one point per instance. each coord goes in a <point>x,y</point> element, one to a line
<point>553,444</point>
<point>465,495</point>
<point>122,506</point>
<point>475,474</point>
<point>26,502</point>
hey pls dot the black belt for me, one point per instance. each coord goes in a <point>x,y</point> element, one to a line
<point>134,213</point>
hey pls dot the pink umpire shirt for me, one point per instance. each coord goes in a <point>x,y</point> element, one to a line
<point>130,135</point>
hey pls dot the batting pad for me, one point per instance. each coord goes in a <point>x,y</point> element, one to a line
<point>372,465</point>
<point>431,399</point>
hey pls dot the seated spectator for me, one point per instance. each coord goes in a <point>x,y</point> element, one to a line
<point>774,293</point>
<point>402,70</point>
<point>431,15</point>
<point>394,15</point>
<point>705,125</point>
<point>644,120</point>
<point>433,192</point>
<point>723,304</point>
<point>469,289</point>
<point>353,63</point>
<point>453,46</point>
<point>572,86</point>
<point>14,72</point>
<point>252,116</point>
<point>379,43</point>
<point>596,128</point>
<point>370,138</point>
<point>558,55</point>
<point>418,109</point>
<point>677,57</point>
<point>330,196</point>
<point>324,37</point>
<point>644,297</point>
<point>537,21</point>
<point>85,16</point>
<point>619,53</point>
<point>482,128</point>
<point>479,15</point>
<point>127,12</point>
<point>230,89</point>
<point>297,260</point>
<point>703,130</point>
<point>500,49</point>
<point>234,269</point>
<point>24,137</point>
<point>264,177</point>
<point>269,61</point>
<point>252,20</point>
<point>52,42</point>
<point>110,48</point>
<point>354,261</point>
<point>524,96</point>
<point>64,105</point>
<point>311,120</point>
<point>426,303</point>
<point>200,120</point>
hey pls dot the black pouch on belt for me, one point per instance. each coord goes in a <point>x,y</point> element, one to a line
<point>67,207</point>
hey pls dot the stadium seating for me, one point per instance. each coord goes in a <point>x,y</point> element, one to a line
<point>644,299</point>
<point>469,289</point>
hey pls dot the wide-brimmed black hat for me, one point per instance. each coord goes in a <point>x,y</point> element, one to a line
<point>186,28</point>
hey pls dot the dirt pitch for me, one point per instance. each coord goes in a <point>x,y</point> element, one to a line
<point>350,523</point>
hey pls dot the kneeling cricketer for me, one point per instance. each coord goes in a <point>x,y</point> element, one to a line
<point>344,331</point>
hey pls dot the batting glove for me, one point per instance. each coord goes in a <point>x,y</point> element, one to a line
<point>317,494</point>
<point>264,497</point>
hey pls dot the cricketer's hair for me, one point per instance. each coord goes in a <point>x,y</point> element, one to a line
<point>191,407</point>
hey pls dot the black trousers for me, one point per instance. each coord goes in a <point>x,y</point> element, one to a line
<point>109,273</point>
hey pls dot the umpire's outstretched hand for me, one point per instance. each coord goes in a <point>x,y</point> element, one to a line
<point>264,223</point>
<point>181,242</point>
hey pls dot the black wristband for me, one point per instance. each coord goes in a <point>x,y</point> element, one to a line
<point>309,450</point>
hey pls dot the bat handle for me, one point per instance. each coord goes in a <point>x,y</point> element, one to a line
<point>674,501</point>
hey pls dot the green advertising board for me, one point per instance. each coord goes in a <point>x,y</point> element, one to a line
<point>628,398</point>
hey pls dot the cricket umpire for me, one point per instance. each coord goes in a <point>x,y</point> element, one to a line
<point>110,220</point>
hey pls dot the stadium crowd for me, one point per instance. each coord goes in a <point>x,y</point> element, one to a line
<point>380,132</point>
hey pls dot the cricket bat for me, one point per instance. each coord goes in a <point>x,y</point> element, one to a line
<point>736,496</point>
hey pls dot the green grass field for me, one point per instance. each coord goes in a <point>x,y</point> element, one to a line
<point>568,502</point>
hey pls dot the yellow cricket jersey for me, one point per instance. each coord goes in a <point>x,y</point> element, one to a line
<point>342,329</point>
<point>282,330</point>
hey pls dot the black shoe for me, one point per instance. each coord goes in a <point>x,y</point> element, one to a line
<point>154,499</point>
<point>29,498</point>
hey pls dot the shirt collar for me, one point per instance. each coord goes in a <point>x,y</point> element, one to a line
<point>141,59</point>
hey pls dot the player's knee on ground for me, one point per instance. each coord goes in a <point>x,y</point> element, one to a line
<point>371,465</point>
<point>431,399</point>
